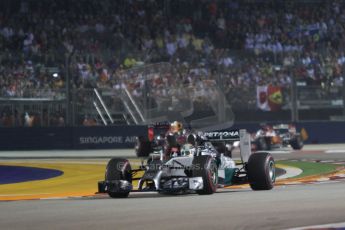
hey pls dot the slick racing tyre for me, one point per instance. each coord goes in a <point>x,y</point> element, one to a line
<point>118,169</point>
<point>206,167</point>
<point>297,142</point>
<point>263,143</point>
<point>143,147</point>
<point>261,171</point>
<point>222,148</point>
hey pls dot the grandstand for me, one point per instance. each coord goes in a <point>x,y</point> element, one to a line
<point>85,62</point>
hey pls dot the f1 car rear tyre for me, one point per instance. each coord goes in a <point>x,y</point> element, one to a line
<point>263,143</point>
<point>118,169</point>
<point>261,171</point>
<point>222,148</point>
<point>143,147</point>
<point>297,142</point>
<point>206,167</point>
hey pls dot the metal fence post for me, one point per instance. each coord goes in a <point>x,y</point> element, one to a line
<point>343,73</point>
<point>68,93</point>
<point>294,109</point>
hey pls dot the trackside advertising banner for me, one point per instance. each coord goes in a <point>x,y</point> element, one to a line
<point>269,98</point>
<point>39,138</point>
<point>107,137</point>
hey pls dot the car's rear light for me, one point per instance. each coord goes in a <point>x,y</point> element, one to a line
<point>151,134</point>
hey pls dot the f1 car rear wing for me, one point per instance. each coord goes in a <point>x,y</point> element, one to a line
<point>233,136</point>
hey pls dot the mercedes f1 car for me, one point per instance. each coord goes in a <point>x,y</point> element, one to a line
<point>277,136</point>
<point>198,165</point>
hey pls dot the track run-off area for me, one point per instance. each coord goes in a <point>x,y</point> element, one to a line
<point>309,191</point>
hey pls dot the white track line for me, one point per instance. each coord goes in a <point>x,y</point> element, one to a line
<point>335,151</point>
<point>290,172</point>
<point>325,226</point>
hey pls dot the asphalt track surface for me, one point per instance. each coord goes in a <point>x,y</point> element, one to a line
<point>285,206</point>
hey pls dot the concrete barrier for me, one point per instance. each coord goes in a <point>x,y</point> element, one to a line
<point>112,137</point>
<point>321,132</point>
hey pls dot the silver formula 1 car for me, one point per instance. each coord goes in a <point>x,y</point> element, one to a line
<point>200,165</point>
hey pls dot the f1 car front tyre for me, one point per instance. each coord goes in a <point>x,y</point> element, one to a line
<point>261,171</point>
<point>206,167</point>
<point>297,142</point>
<point>118,169</point>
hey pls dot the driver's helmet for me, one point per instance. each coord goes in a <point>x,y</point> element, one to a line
<point>266,127</point>
<point>176,127</point>
<point>187,150</point>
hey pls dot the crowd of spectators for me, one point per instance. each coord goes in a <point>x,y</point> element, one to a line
<point>238,43</point>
